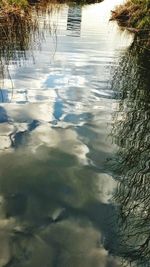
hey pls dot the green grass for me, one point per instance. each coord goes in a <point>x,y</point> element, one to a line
<point>13,3</point>
<point>21,3</point>
<point>134,13</point>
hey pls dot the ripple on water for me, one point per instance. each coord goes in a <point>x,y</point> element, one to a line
<point>56,112</point>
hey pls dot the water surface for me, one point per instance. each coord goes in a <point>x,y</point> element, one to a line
<point>61,103</point>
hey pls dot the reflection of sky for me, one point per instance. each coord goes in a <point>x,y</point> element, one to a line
<point>62,190</point>
<point>76,62</point>
<point>54,124</point>
<point>76,80</point>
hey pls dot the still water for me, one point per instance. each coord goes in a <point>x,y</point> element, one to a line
<point>74,142</point>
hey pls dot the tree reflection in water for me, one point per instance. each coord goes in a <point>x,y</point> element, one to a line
<point>52,214</point>
<point>18,40</point>
<point>131,133</point>
<point>50,207</point>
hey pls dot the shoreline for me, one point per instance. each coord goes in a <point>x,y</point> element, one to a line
<point>133,15</point>
<point>22,9</point>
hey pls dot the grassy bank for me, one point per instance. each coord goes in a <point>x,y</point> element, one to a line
<point>22,8</point>
<point>13,9</point>
<point>13,4</point>
<point>133,14</point>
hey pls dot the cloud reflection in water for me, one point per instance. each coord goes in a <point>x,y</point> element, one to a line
<point>55,193</point>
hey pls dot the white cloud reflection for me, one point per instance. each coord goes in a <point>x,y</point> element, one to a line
<point>61,104</point>
<point>74,244</point>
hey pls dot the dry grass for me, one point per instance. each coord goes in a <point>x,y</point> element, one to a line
<point>13,10</point>
<point>21,9</point>
<point>134,13</point>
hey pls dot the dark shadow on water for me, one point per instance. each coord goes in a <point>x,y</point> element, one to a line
<point>131,132</point>
<point>50,203</point>
<point>3,115</point>
<point>74,20</point>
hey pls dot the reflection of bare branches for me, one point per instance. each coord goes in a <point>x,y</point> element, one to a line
<point>15,38</point>
<point>18,36</point>
<point>131,133</point>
